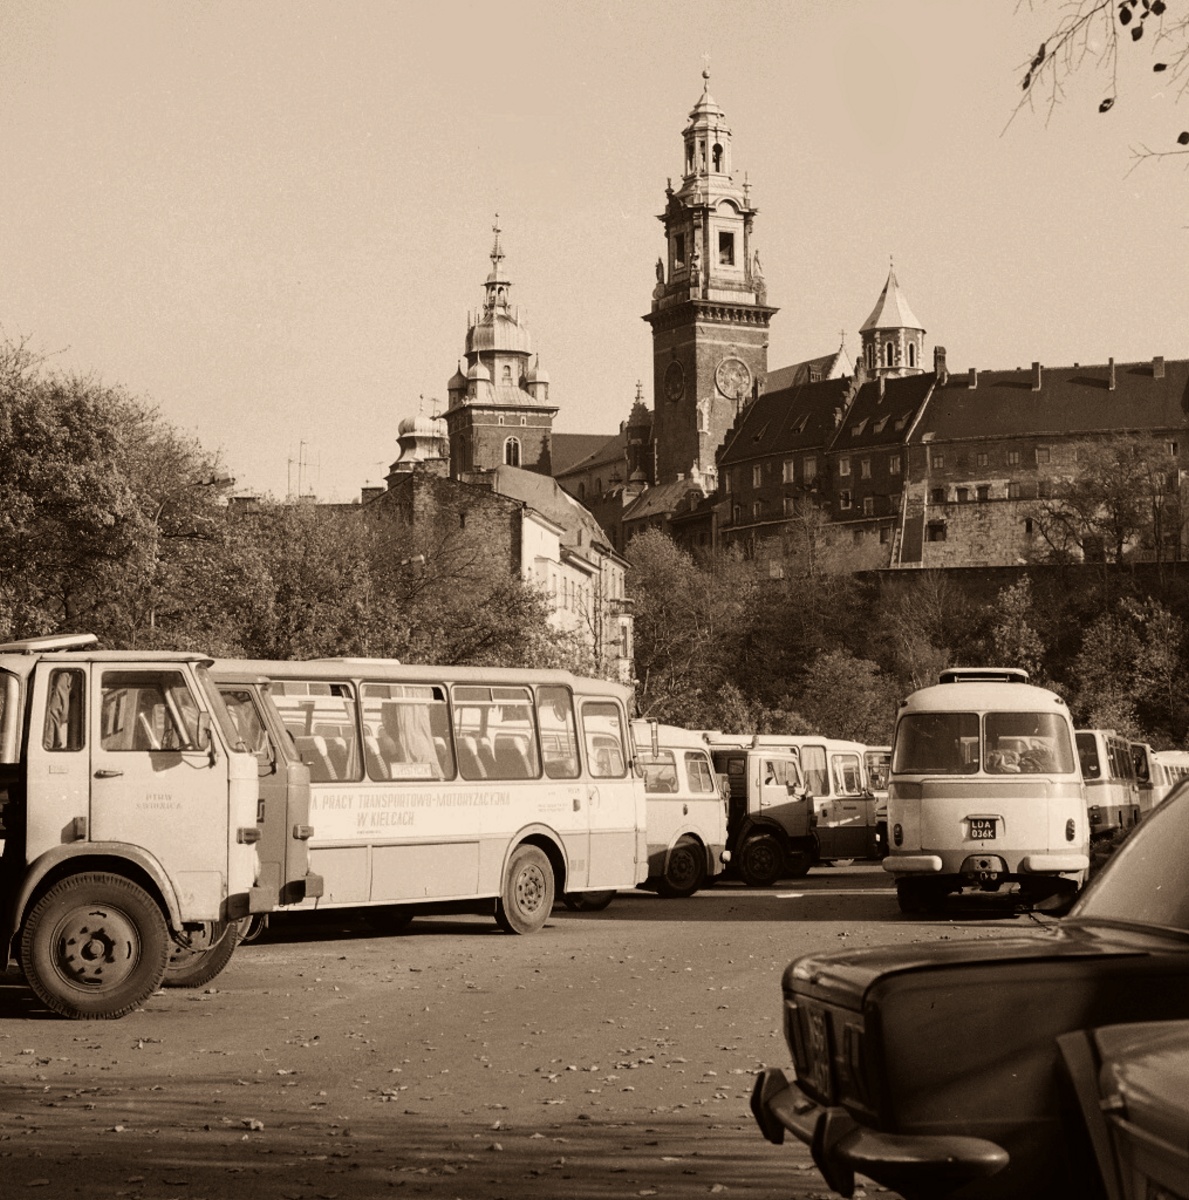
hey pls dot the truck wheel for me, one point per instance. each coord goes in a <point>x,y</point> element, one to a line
<point>761,860</point>
<point>253,928</point>
<point>587,901</point>
<point>527,897</point>
<point>95,945</point>
<point>209,952</point>
<point>685,870</point>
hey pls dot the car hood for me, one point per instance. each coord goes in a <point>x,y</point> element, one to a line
<point>844,978</point>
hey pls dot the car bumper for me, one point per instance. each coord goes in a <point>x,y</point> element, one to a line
<point>841,1146</point>
<point>913,864</point>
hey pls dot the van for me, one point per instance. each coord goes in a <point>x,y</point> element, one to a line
<point>985,792</point>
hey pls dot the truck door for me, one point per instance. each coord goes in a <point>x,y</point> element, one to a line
<point>779,798</point>
<point>153,787</point>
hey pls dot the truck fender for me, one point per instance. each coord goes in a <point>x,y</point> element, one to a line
<point>103,854</point>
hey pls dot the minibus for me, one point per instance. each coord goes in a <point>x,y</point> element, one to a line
<point>985,792</point>
<point>1109,774</point>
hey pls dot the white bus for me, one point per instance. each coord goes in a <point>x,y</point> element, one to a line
<point>1165,769</point>
<point>1112,790</point>
<point>442,784</point>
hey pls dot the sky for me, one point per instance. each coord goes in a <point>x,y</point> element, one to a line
<point>271,220</point>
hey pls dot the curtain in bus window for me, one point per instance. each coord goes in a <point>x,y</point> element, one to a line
<point>697,768</point>
<point>322,721</point>
<point>559,734</point>
<point>406,731</point>
<point>64,711</point>
<point>1026,743</point>
<point>603,735</point>
<point>813,767</point>
<point>936,744</point>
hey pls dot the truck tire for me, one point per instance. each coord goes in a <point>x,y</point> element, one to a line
<point>95,945</point>
<point>799,862</point>
<point>192,966</point>
<point>761,860</point>
<point>527,897</point>
<point>685,870</point>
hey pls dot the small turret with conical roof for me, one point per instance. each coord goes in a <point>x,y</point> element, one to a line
<point>892,337</point>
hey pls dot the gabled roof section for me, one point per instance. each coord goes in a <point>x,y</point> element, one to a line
<point>891,311</point>
<point>545,496</point>
<point>570,449</point>
<point>794,418</point>
<point>1151,395</point>
<point>881,417</point>
<point>827,366</point>
<point>662,500</point>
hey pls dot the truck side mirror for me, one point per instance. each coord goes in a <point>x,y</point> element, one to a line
<point>205,739</point>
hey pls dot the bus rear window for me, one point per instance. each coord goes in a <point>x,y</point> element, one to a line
<point>936,744</point>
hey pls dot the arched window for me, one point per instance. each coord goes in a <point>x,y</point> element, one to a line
<point>912,354</point>
<point>717,153</point>
<point>507,373</point>
<point>581,490</point>
<point>500,419</point>
<point>512,452</point>
<point>524,420</point>
<point>871,355</point>
<point>889,354</point>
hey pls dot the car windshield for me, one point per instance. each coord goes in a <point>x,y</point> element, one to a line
<point>1143,884</point>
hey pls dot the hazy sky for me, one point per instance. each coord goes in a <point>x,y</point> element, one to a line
<point>271,219</point>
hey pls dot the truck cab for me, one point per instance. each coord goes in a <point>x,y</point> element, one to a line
<point>128,817</point>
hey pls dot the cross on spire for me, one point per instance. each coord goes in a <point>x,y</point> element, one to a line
<point>497,255</point>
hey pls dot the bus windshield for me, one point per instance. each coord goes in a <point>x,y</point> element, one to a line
<point>948,743</point>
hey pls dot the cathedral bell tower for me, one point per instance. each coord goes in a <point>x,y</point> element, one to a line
<point>709,314</point>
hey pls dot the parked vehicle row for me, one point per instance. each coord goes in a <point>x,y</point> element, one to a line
<point>1025,1067</point>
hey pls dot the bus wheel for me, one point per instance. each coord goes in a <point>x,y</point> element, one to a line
<point>390,918</point>
<point>210,950</point>
<point>685,870</point>
<point>252,929</point>
<point>761,859</point>
<point>587,901</point>
<point>527,897</point>
<point>95,945</point>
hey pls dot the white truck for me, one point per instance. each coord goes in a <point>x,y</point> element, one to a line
<point>128,813</point>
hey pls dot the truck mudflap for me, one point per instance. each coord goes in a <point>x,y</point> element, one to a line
<point>841,1146</point>
<point>254,900</point>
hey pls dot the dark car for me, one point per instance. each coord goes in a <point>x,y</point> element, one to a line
<point>935,1069</point>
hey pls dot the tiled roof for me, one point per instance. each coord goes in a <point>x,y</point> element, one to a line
<point>569,449</point>
<point>791,419</point>
<point>891,309</point>
<point>1070,400</point>
<point>875,420</point>
<point>660,500</point>
<point>544,495</point>
<point>607,450</point>
<point>827,366</point>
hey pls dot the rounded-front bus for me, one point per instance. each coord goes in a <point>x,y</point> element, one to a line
<point>1109,773</point>
<point>985,792</point>
<point>443,784</point>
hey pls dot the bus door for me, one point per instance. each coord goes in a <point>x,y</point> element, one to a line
<point>848,814</point>
<point>613,795</point>
<point>152,783</point>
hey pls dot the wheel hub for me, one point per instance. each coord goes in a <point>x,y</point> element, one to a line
<point>96,947</point>
<point>530,890</point>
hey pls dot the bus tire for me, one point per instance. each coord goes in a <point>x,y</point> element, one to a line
<point>918,897</point>
<point>192,966</point>
<point>587,901</point>
<point>685,870</point>
<point>95,945</point>
<point>527,897</point>
<point>761,860</point>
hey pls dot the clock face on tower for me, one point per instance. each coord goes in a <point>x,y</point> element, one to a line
<point>674,381</point>
<point>733,378</point>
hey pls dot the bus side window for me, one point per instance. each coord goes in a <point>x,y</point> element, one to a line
<point>559,737</point>
<point>602,730</point>
<point>406,731</point>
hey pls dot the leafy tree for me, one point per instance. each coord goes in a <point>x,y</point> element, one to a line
<point>847,697</point>
<point>1112,35</point>
<point>1014,639</point>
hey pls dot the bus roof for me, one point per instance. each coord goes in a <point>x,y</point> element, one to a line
<point>983,697</point>
<point>666,735</point>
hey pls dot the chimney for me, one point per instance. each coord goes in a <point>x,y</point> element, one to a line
<point>1111,365</point>
<point>1158,367</point>
<point>939,367</point>
<point>882,385</point>
<point>973,378</point>
<point>1036,377</point>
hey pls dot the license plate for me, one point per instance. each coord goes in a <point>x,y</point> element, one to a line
<point>817,1046</point>
<point>982,829</point>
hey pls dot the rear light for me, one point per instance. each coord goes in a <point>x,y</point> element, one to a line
<point>1070,829</point>
<point>1095,815</point>
<point>898,834</point>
